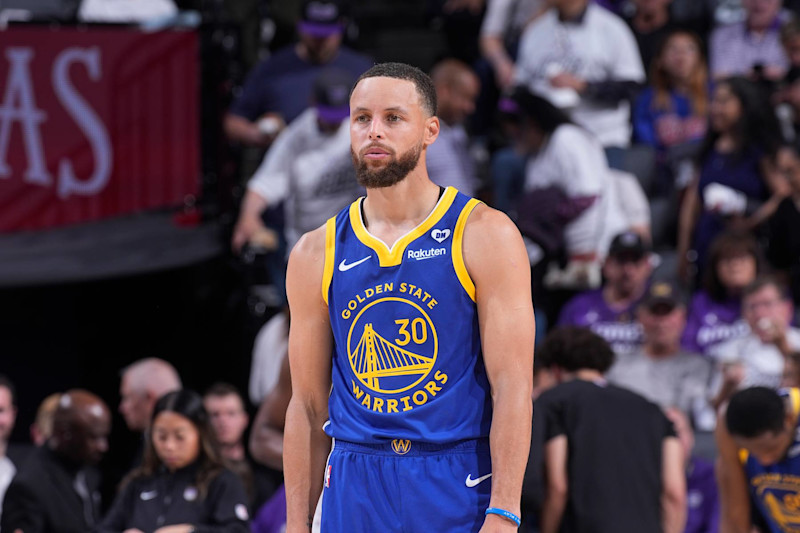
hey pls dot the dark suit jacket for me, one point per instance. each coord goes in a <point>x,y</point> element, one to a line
<point>42,498</point>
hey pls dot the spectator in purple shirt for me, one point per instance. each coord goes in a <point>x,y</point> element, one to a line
<point>610,310</point>
<point>736,184</point>
<point>702,500</point>
<point>752,47</point>
<point>715,313</point>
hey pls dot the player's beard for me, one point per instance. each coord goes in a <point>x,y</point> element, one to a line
<point>393,172</point>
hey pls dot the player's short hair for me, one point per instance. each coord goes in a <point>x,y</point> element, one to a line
<point>401,71</point>
<point>573,348</point>
<point>755,411</point>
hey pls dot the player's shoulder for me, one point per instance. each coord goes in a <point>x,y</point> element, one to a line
<point>487,223</point>
<point>310,248</point>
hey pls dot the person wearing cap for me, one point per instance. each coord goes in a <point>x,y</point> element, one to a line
<point>660,370</point>
<point>611,310</point>
<point>279,89</point>
<point>308,167</point>
<point>757,359</point>
<point>450,163</point>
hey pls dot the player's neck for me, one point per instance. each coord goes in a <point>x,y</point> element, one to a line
<point>405,204</point>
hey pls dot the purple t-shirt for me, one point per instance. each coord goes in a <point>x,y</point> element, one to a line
<point>271,518</point>
<point>701,497</point>
<point>617,326</point>
<point>710,323</point>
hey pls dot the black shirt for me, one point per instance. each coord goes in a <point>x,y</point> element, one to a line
<point>784,243</point>
<point>50,494</point>
<point>614,465</point>
<point>148,503</point>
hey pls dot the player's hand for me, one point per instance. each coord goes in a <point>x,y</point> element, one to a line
<point>497,524</point>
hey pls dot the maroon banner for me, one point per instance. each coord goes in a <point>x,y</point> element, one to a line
<point>95,123</point>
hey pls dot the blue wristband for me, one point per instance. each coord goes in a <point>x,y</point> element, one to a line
<point>505,514</point>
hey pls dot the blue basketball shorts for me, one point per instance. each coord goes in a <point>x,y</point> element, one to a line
<point>406,487</point>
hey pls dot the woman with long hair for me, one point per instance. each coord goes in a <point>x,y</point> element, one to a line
<point>715,313</point>
<point>182,485</point>
<point>736,185</point>
<point>671,113</point>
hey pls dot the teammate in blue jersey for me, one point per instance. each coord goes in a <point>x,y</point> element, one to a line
<point>411,344</point>
<point>759,447</point>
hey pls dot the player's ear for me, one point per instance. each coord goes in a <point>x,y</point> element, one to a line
<point>431,130</point>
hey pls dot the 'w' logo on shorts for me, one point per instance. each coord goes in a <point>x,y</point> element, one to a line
<point>401,446</point>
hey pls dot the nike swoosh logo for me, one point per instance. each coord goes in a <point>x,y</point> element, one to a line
<point>344,267</point>
<point>148,495</point>
<point>473,482</point>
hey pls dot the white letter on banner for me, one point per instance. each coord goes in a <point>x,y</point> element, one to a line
<point>87,119</point>
<point>19,105</point>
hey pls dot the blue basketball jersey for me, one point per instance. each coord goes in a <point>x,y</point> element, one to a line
<point>407,362</point>
<point>776,488</point>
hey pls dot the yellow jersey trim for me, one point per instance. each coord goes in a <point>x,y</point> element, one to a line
<point>743,455</point>
<point>458,252</point>
<point>794,395</point>
<point>330,249</point>
<point>392,257</point>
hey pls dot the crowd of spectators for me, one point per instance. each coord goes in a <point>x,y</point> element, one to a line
<point>647,150</point>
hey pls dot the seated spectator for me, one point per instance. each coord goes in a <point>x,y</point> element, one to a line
<point>308,167</point>
<point>143,383</point>
<point>42,427</point>
<point>583,58</point>
<point>788,110</point>
<point>610,311</point>
<point>758,358</point>
<point>790,40</point>
<point>126,11</point>
<point>715,314</point>
<point>448,159</point>
<point>736,185</point>
<point>280,88</point>
<point>8,415</point>
<point>181,465</point>
<point>671,112</point>
<point>752,47</point>
<point>702,499</point>
<point>757,463</point>
<point>229,420</point>
<point>56,489</point>
<point>784,243</point>
<point>651,22</point>
<point>569,159</point>
<point>599,433</point>
<point>660,370</point>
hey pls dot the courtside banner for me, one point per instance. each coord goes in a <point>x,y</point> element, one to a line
<point>95,123</point>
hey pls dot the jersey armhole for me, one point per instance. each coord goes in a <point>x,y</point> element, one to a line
<point>330,249</point>
<point>458,252</point>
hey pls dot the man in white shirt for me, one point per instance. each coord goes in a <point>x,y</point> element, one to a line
<point>758,358</point>
<point>583,58</point>
<point>308,166</point>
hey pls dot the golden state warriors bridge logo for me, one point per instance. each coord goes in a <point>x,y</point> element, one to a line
<point>392,347</point>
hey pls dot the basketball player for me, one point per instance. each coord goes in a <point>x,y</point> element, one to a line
<point>422,295</point>
<point>759,460</point>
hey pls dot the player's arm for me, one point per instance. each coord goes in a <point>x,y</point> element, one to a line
<point>310,341</point>
<point>498,264</point>
<point>555,499</point>
<point>734,499</point>
<point>673,487</point>
<point>266,437</point>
